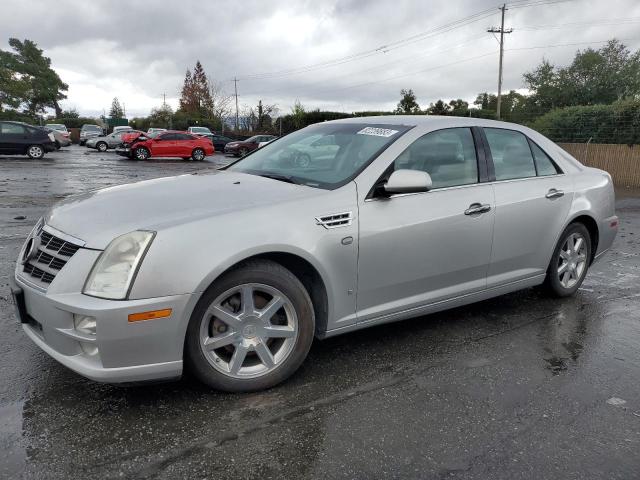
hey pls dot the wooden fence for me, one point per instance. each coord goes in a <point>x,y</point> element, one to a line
<point>621,161</point>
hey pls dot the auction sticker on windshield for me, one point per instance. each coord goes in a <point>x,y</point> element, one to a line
<point>377,132</point>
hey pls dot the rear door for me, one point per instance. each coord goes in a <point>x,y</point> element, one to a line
<point>13,138</point>
<point>533,197</point>
<point>185,144</point>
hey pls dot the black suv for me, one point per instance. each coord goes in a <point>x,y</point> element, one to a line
<point>17,138</point>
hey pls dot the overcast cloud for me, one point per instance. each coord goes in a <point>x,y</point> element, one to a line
<point>139,50</point>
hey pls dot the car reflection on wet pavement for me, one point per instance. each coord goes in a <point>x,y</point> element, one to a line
<point>520,386</point>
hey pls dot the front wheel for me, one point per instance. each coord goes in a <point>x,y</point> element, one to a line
<point>198,155</point>
<point>141,153</point>
<point>243,152</point>
<point>570,261</point>
<point>102,146</point>
<point>251,329</point>
<point>35,151</point>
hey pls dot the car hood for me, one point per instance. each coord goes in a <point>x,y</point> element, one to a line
<point>99,216</point>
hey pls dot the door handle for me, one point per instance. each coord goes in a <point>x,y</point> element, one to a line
<point>477,208</point>
<point>553,193</point>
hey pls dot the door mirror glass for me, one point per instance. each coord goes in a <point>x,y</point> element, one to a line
<point>408,181</point>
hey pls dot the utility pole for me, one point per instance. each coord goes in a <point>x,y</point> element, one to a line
<point>501,31</point>
<point>235,83</point>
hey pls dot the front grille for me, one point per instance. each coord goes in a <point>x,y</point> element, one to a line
<point>52,255</point>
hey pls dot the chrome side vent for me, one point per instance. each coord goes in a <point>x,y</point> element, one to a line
<point>335,220</point>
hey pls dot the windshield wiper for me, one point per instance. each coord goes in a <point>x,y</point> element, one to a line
<point>282,178</point>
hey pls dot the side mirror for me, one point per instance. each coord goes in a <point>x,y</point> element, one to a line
<point>408,181</point>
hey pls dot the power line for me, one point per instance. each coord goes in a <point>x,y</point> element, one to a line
<point>398,43</point>
<point>375,51</point>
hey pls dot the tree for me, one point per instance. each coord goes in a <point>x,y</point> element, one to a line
<point>408,104</point>
<point>116,109</point>
<point>439,108</point>
<point>195,98</point>
<point>459,107</point>
<point>264,116</point>
<point>27,79</point>
<point>71,113</point>
<point>220,101</point>
<point>594,77</point>
<point>161,117</point>
<point>298,115</point>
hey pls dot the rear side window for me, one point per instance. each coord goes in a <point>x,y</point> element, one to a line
<point>511,154</point>
<point>545,165</point>
<point>448,156</point>
<point>183,136</point>
<point>11,129</point>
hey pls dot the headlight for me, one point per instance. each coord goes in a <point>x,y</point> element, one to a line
<point>113,273</point>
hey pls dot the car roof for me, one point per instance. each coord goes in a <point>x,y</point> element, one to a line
<point>434,121</point>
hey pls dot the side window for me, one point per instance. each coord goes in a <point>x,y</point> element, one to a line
<point>166,136</point>
<point>545,165</point>
<point>12,129</point>
<point>511,154</point>
<point>448,156</point>
<point>184,136</point>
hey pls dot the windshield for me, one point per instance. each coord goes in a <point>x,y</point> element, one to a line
<point>92,128</point>
<point>200,130</point>
<point>55,126</point>
<point>324,155</point>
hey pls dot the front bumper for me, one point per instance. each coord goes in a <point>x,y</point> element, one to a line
<point>124,151</point>
<point>232,150</point>
<point>119,351</point>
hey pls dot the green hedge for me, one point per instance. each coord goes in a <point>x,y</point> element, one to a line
<point>616,123</point>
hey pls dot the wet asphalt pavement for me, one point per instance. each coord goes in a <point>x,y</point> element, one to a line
<point>520,386</point>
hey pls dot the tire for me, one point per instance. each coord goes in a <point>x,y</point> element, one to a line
<point>141,153</point>
<point>58,146</point>
<point>219,367</point>
<point>102,146</point>
<point>243,152</point>
<point>198,154</point>
<point>568,266</point>
<point>35,152</point>
<point>82,142</point>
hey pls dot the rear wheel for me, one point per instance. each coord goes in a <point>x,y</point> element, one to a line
<point>141,153</point>
<point>198,154</point>
<point>35,151</point>
<point>251,329</point>
<point>570,261</point>
<point>102,146</point>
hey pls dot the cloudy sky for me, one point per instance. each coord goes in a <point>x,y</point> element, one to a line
<point>343,55</point>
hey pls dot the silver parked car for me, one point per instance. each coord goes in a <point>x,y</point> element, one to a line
<point>105,142</point>
<point>233,273</point>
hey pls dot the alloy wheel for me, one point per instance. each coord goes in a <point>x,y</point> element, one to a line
<point>572,260</point>
<point>35,151</point>
<point>249,331</point>
<point>141,154</point>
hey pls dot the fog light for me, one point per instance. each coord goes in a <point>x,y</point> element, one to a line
<point>84,324</point>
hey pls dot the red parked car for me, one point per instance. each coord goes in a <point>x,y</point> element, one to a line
<point>139,146</point>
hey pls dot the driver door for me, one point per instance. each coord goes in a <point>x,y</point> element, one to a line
<point>163,144</point>
<point>424,248</point>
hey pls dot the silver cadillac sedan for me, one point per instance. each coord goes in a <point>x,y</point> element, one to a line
<point>232,273</point>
